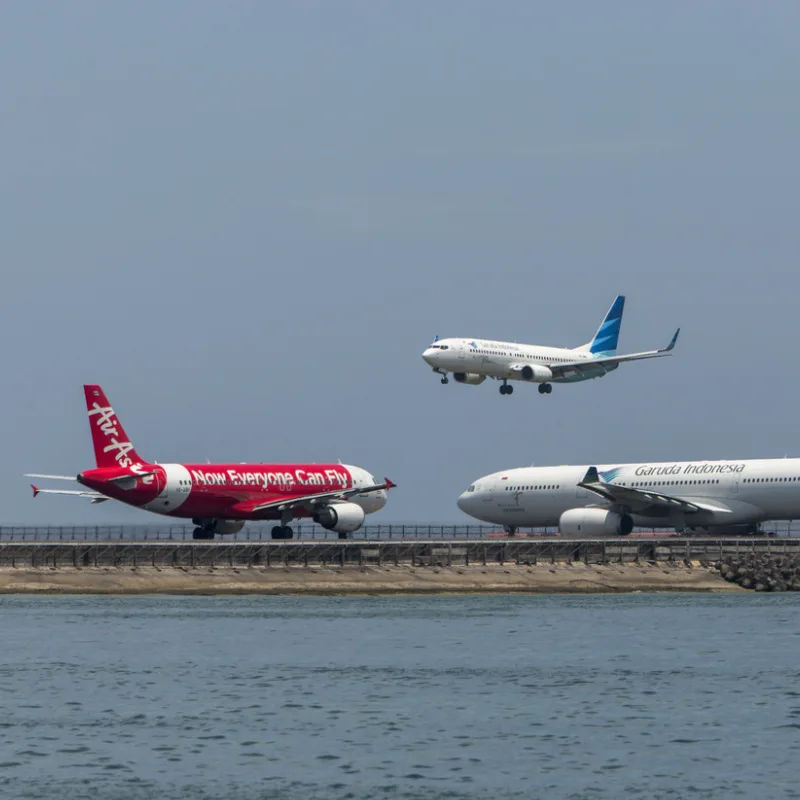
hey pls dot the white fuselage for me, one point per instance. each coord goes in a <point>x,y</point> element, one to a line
<point>726,492</point>
<point>505,360</point>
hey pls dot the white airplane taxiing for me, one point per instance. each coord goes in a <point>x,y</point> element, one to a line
<point>471,361</point>
<point>723,496</point>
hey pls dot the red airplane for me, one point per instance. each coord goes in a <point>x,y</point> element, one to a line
<point>220,498</point>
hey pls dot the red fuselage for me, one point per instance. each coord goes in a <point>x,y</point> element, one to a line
<point>229,491</point>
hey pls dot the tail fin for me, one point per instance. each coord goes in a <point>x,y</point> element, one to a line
<point>605,340</point>
<point>112,447</point>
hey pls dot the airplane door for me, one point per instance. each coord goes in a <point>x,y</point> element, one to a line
<point>462,351</point>
<point>735,485</point>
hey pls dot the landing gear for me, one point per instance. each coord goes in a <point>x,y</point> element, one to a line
<point>545,388</point>
<point>445,379</point>
<point>510,530</point>
<point>343,536</point>
<point>282,532</point>
<point>506,388</point>
<point>202,533</point>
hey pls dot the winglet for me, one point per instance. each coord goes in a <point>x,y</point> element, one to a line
<point>672,342</point>
<point>591,476</point>
<point>35,490</point>
<point>389,484</point>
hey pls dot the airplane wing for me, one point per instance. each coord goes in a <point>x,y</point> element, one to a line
<point>254,506</point>
<point>638,500</point>
<point>576,367</point>
<point>95,497</point>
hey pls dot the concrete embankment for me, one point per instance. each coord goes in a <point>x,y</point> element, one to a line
<point>367,580</point>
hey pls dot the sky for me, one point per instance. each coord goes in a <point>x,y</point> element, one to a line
<point>247,220</point>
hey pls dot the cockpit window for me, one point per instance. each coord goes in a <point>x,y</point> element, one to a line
<point>471,488</point>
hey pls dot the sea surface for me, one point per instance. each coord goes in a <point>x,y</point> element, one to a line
<point>297,698</point>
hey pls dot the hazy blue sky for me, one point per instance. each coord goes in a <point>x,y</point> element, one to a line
<point>246,220</point>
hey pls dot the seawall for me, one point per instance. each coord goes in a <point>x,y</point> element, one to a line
<point>375,567</point>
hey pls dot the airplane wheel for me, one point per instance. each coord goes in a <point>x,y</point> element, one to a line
<point>504,389</point>
<point>542,388</point>
<point>277,532</point>
<point>445,380</point>
<point>509,389</point>
<point>288,533</point>
<point>510,530</point>
<point>549,388</point>
<point>199,533</point>
<point>343,536</point>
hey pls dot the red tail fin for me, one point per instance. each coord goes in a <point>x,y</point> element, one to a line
<point>112,447</point>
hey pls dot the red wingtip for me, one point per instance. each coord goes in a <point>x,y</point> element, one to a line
<point>389,484</point>
<point>35,490</point>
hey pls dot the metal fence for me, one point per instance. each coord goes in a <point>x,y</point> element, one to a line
<point>262,533</point>
<point>232,554</point>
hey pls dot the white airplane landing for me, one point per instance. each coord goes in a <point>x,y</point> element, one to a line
<point>471,361</point>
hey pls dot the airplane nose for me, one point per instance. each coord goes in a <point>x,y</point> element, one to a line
<point>429,356</point>
<point>463,502</point>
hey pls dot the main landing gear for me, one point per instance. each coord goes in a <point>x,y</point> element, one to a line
<point>282,532</point>
<point>506,388</point>
<point>202,533</point>
<point>545,388</point>
<point>510,530</point>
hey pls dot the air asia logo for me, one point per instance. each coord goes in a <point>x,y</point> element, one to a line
<point>106,421</point>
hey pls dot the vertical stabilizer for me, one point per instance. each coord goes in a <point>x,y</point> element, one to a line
<point>605,340</point>
<point>112,447</point>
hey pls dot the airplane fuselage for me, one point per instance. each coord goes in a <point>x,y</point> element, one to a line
<point>507,361</point>
<point>227,490</point>
<point>724,493</point>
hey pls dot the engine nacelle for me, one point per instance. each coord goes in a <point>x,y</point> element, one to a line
<point>225,526</point>
<point>594,522</point>
<point>468,377</point>
<point>341,517</point>
<point>536,372</point>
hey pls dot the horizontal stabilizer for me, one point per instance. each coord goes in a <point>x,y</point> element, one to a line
<point>50,477</point>
<point>95,497</point>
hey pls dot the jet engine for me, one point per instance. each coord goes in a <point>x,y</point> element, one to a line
<point>340,517</point>
<point>594,522</point>
<point>468,377</point>
<point>536,372</point>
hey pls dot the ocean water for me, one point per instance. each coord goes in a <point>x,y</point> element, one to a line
<point>295,698</point>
